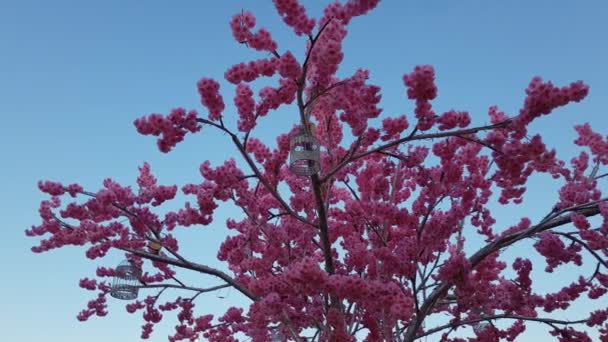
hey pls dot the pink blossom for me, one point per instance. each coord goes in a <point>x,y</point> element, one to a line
<point>245,105</point>
<point>294,15</point>
<point>211,98</point>
<point>248,72</point>
<point>171,128</point>
<point>421,87</point>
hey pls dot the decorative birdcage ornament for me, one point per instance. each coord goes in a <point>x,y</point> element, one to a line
<point>126,281</point>
<point>304,154</point>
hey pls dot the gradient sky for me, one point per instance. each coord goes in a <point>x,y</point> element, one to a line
<point>75,74</point>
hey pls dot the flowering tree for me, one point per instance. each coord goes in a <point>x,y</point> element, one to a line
<point>372,244</point>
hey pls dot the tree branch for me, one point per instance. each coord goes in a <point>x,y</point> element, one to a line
<point>194,267</point>
<point>489,318</point>
<point>582,243</point>
<point>180,287</point>
<point>414,138</point>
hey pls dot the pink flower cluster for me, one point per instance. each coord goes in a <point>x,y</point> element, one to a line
<point>386,295</point>
<point>289,66</point>
<point>57,189</point>
<point>294,15</point>
<point>171,128</point>
<point>273,98</point>
<point>393,127</point>
<point>543,97</point>
<point>596,143</point>
<point>149,191</point>
<point>345,12</point>
<point>326,55</point>
<point>453,119</point>
<point>241,25</point>
<point>359,103</point>
<point>456,267</point>
<point>248,72</point>
<point>97,306</point>
<point>421,83</point>
<point>563,298</point>
<point>555,251</point>
<point>578,191</point>
<point>245,104</point>
<point>209,90</point>
<point>421,87</point>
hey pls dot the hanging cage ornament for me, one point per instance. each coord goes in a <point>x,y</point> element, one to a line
<point>304,154</point>
<point>126,281</point>
<point>304,148</point>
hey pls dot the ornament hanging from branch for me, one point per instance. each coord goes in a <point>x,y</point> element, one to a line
<point>304,154</point>
<point>126,281</point>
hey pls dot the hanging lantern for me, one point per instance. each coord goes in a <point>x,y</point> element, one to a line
<point>126,281</point>
<point>304,154</point>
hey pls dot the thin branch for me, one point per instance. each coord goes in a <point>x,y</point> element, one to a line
<point>194,267</point>
<point>414,138</point>
<point>505,316</point>
<point>190,288</point>
<point>601,176</point>
<point>582,243</point>
<point>478,142</point>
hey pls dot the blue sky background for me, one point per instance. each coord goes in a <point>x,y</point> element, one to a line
<point>74,75</point>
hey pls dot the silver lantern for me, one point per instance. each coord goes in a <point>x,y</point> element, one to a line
<point>126,281</point>
<point>304,154</point>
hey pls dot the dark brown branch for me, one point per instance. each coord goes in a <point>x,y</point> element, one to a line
<point>414,138</point>
<point>601,176</point>
<point>582,243</point>
<point>427,276</point>
<point>464,137</point>
<point>505,316</point>
<point>190,288</point>
<point>194,267</point>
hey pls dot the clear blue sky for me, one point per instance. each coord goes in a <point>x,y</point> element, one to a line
<point>75,74</point>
